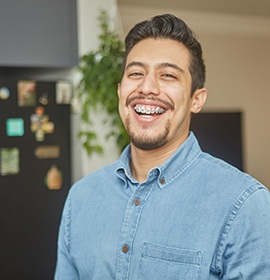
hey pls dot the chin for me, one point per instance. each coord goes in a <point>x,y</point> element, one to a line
<point>146,142</point>
<point>147,146</point>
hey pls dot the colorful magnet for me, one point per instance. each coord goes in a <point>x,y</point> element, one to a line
<point>4,93</point>
<point>47,152</point>
<point>15,127</point>
<point>26,93</point>
<point>9,161</point>
<point>40,124</point>
<point>54,178</point>
<point>63,92</point>
<point>44,99</point>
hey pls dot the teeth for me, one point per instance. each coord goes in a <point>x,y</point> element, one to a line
<point>137,109</point>
<point>159,110</point>
<point>148,110</point>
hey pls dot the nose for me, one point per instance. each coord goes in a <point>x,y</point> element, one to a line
<point>149,85</point>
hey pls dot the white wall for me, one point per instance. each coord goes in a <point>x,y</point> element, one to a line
<point>88,29</point>
<point>238,73</point>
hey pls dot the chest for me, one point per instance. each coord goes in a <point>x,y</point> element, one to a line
<point>144,232</point>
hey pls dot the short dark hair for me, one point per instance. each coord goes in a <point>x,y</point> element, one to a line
<point>170,27</point>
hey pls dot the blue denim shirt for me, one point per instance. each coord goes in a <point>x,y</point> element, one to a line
<point>195,217</point>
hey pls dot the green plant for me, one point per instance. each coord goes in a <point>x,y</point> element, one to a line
<point>97,89</point>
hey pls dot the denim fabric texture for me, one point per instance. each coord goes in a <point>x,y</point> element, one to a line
<point>195,217</point>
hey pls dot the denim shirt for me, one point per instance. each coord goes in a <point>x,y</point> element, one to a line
<point>195,217</point>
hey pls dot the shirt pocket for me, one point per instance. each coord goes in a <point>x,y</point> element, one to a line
<point>162,262</point>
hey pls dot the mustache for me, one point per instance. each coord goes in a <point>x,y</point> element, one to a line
<point>167,104</point>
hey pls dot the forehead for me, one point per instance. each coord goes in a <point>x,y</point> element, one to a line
<point>161,50</point>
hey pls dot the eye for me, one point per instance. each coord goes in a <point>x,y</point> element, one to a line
<point>169,76</point>
<point>135,74</point>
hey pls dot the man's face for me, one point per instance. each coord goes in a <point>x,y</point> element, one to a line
<point>155,101</point>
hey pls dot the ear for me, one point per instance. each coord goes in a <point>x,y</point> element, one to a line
<point>198,100</point>
<point>118,89</point>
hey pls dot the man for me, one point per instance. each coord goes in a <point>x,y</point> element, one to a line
<point>165,209</point>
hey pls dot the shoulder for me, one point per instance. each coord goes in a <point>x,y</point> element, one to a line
<point>224,184</point>
<point>224,173</point>
<point>231,185</point>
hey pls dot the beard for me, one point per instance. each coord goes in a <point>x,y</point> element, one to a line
<point>144,141</point>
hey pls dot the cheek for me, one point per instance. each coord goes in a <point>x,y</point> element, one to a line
<point>128,86</point>
<point>175,92</point>
<point>124,92</point>
<point>122,97</point>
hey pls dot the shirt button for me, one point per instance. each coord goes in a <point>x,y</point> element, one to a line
<point>125,249</point>
<point>137,201</point>
<point>162,181</point>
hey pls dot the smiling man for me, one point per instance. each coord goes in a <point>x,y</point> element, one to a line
<point>165,209</point>
<point>156,102</point>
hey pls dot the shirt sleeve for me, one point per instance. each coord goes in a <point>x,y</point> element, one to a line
<point>244,246</point>
<point>65,268</point>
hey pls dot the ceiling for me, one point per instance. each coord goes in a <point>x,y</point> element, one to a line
<point>258,8</point>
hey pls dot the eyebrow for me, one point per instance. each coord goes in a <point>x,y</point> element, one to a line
<point>135,63</point>
<point>170,65</point>
<point>159,65</point>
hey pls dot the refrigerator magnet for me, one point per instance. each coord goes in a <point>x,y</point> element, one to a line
<point>54,178</point>
<point>40,124</point>
<point>63,92</point>
<point>26,93</point>
<point>9,161</point>
<point>4,93</point>
<point>15,127</point>
<point>47,152</point>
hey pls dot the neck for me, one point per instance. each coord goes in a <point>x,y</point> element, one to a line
<point>143,161</point>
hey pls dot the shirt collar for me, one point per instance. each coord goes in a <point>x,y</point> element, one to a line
<point>185,155</point>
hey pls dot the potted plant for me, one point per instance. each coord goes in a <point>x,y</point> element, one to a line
<point>97,89</point>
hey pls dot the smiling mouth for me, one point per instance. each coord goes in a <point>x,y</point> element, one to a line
<point>148,111</point>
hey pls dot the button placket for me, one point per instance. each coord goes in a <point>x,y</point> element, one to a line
<point>130,225</point>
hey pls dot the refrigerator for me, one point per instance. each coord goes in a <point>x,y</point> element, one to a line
<point>35,174</point>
